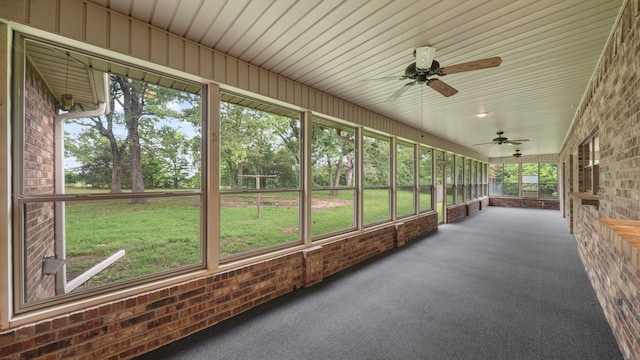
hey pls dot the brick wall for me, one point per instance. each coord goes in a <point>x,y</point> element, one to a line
<point>551,204</point>
<point>413,228</point>
<point>473,207</point>
<point>129,327</point>
<point>612,107</point>
<point>456,212</point>
<point>38,170</point>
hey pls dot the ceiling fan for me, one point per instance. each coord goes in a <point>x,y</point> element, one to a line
<point>503,140</point>
<point>516,154</point>
<point>423,70</point>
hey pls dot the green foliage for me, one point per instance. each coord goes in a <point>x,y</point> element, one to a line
<point>146,117</point>
<point>376,161</point>
<point>255,142</point>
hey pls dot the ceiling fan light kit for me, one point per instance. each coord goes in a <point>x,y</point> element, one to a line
<point>424,57</point>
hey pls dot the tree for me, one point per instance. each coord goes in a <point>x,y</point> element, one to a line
<point>136,109</point>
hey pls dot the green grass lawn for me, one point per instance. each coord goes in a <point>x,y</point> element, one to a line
<point>164,234</point>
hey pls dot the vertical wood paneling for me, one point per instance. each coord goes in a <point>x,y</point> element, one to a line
<point>321,102</point>
<point>206,63</point>
<point>254,79</point>
<point>264,82</point>
<point>159,46</point>
<point>119,33</point>
<point>304,97</point>
<point>191,58</point>
<point>243,75</point>
<point>219,67</point>
<point>72,19</point>
<point>14,10</point>
<point>232,71</point>
<point>297,94</point>
<point>40,13</point>
<point>282,89</point>
<point>289,85</point>
<point>96,27</point>
<point>273,86</point>
<point>139,40</point>
<point>176,52</point>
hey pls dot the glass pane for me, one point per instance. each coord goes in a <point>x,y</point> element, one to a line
<point>259,146</point>
<point>549,179</point>
<point>510,180</point>
<point>131,240</point>
<point>460,170</point>
<point>426,178</point>
<point>150,141</point>
<point>426,166</point>
<point>376,205</point>
<point>376,161</point>
<point>496,177</point>
<point>332,211</point>
<point>425,197</point>
<point>549,190</point>
<point>450,195</point>
<point>404,201</point>
<point>333,156</point>
<point>250,222</point>
<point>510,189</point>
<point>405,165</point>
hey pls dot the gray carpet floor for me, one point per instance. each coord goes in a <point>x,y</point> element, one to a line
<point>501,284</point>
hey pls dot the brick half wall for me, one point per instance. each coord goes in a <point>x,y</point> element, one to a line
<point>132,326</point>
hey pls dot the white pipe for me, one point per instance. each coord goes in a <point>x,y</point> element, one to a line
<point>60,247</point>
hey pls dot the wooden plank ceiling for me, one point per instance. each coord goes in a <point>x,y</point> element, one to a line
<point>549,50</point>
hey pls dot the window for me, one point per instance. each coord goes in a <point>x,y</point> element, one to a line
<point>405,179</point>
<point>474,179</point>
<point>450,179</point>
<point>590,164</point>
<point>469,181</point>
<point>530,180</point>
<point>426,179</point>
<point>376,163</point>
<point>549,180</point>
<point>538,180</point>
<point>460,179</point>
<point>259,176</point>
<point>484,175</point>
<point>504,180</point>
<point>333,169</point>
<point>104,197</point>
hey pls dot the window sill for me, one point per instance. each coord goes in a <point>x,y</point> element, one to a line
<point>585,198</point>
<point>625,236</point>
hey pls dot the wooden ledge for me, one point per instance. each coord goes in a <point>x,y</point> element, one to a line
<point>625,235</point>
<point>585,198</point>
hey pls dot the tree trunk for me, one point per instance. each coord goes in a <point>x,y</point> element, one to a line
<point>116,172</point>
<point>133,106</point>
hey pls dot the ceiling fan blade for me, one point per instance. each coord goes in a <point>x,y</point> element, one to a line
<point>472,65</point>
<point>489,143</point>
<point>386,78</point>
<point>400,91</point>
<point>516,142</point>
<point>441,87</point>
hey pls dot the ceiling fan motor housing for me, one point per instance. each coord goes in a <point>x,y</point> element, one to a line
<point>412,72</point>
